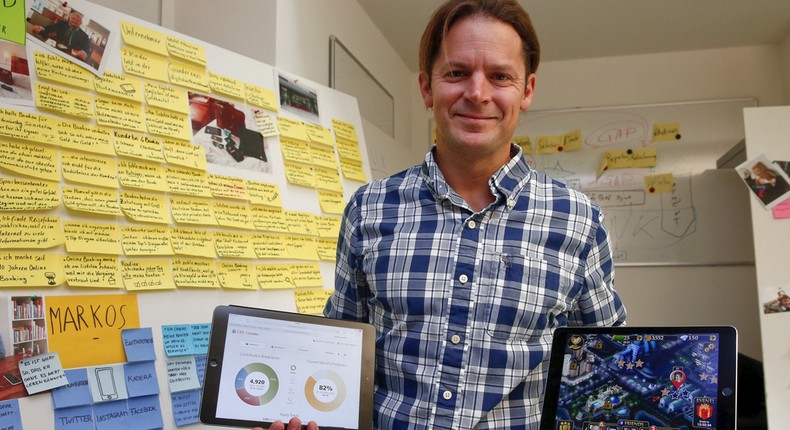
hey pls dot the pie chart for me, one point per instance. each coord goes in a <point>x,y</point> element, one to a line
<point>325,390</point>
<point>256,384</point>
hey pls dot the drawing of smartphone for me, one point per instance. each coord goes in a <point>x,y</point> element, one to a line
<point>13,379</point>
<point>216,131</point>
<point>106,383</point>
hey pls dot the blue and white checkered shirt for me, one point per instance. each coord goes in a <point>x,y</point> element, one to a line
<point>465,303</point>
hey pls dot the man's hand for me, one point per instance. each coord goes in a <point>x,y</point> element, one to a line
<point>293,424</point>
<point>37,29</point>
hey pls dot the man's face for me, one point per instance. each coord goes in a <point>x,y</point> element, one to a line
<point>75,20</point>
<point>478,87</point>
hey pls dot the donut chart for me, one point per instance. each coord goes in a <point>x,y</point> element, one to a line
<point>325,390</point>
<point>256,384</point>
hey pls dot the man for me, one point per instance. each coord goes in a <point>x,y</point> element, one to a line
<point>69,34</point>
<point>467,263</point>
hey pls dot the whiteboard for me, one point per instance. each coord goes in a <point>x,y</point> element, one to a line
<point>704,220</point>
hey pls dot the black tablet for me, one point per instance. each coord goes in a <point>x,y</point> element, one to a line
<point>266,365</point>
<point>641,378</point>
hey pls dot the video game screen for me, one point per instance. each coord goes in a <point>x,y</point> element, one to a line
<point>639,382</point>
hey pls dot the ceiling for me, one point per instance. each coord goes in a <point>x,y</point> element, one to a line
<point>575,29</point>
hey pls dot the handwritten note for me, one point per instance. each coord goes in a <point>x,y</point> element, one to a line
<point>92,237</point>
<point>118,85</point>
<point>74,418</point>
<point>85,137</point>
<point>193,273</point>
<point>166,97</point>
<point>328,226</point>
<point>344,130</point>
<point>188,75</point>
<point>119,113</point>
<point>259,96</point>
<point>28,194</point>
<point>295,150</point>
<point>323,157</point>
<point>64,101</point>
<point>318,134</point>
<point>144,64</point>
<point>269,246</point>
<point>348,150</point>
<point>147,275</point>
<point>326,249</point>
<point>142,175</point>
<point>186,407</point>
<point>144,38</point>
<point>142,240</point>
<point>193,242</point>
<point>56,69</point>
<point>32,160</point>
<point>232,215</point>
<point>226,85</point>
<point>138,146</point>
<point>27,269</point>
<point>89,169</point>
<point>91,200</point>
<point>266,194</point>
<point>301,248</point>
<point>331,202</point>
<point>138,344</point>
<point>185,154</point>
<point>663,183</point>
<point>269,219</point>
<point>298,174</point>
<point>188,182</point>
<point>300,222</point>
<point>233,245</point>
<point>782,210</point>
<point>236,276</point>
<point>180,48</point>
<point>168,124</point>
<point>353,170</point>
<point>146,412</point>
<point>666,131</point>
<point>145,207</point>
<point>328,179</point>
<point>107,383</point>
<point>42,372</point>
<point>307,275</point>
<point>92,271</point>
<point>228,187</point>
<point>193,211</point>
<point>30,231</point>
<point>274,276</point>
<point>141,377</point>
<point>312,300</point>
<point>75,393</point>
<point>28,126</point>
<point>524,142</point>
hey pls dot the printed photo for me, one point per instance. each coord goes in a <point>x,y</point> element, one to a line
<point>228,133</point>
<point>24,335</point>
<point>775,299</point>
<point>766,180</point>
<point>299,99</point>
<point>14,74</point>
<point>68,33</point>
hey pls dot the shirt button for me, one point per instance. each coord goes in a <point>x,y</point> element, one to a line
<point>463,279</point>
<point>471,224</point>
<point>447,394</point>
<point>455,339</point>
<point>510,203</point>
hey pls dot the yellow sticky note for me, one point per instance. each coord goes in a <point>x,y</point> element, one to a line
<point>139,240</point>
<point>141,175</point>
<point>232,215</point>
<point>602,167</point>
<point>188,182</point>
<point>228,187</point>
<point>524,142</point>
<point>331,202</point>
<point>30,231</point>
<point>141,207</point>
<point>299,222</point>
<point>188,75</point>
<point>326,249</point>
<point>56,69</point>
<point>259,96</point>
<point>663,183</point>
<point>31,269</point>
<point>666,131</point>
<point>348,150</point>
<point>618,159</point>
<point>28,159</point>
<point>197,243</point>
<point>118,113</point>
<point>185,50</point>
<point>194,273</point>
<point>344,130</point>
<point>301,248</point>
<point>100,201</point>
<point>292,128</point>
<point>144,64</point>
<point>269,246</point>
<point>28,126</point>
<point>147,275</point>
<point>89,169</point>
<point>92,238</point>
<point>300,175</point>
<point>92,271</point>
<point>168,124</point>
<point>295,150</point>
<point>19,195</point>
<point>328,179</point>
<point>269,219</point>
<point>193,211</point>
<point>572,141</point>
<point>184,154</point>
<point>312,300</point>
<point>143,38</point>
<point>85,137</point>
<point>644,157</point>
<point>118,85</point>
<point>318,134</point>
<point>166,97</point>
<point>236,276</point>
<point>101,336</point>
<point>353,170</point>
<point>274,276</point>
<point>138,146</point>
<point>64,101</point>
<point>307,275</point>
<point>323,157</point>
<point>550,144</point>
<point>328,226</point>
<point>233,245</point>
<point>225,85</point>
<point>262,193</point>
<point>265,123</point>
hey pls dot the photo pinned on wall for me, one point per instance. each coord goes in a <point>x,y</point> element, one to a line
<point>62,29</point>
<point>766,179</point>
<point>15,85</point>
<point>775,299</point>
<point>24,320</point>
<point>299,99</point>
<point>228,133</point>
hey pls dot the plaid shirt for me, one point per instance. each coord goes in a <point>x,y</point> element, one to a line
<point>465,303</point>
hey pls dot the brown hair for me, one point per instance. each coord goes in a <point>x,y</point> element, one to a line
<point>452,11</point>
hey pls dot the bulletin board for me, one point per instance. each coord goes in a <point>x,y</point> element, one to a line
<point>140,188</point>
<point>652,169</point>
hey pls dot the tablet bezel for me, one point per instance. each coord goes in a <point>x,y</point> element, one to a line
<point>216,351</point>
<point>728,366</point>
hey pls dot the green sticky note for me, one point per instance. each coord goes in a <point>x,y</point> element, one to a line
<point>12,20</point>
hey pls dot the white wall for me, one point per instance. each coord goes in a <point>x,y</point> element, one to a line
<point>785,48</point>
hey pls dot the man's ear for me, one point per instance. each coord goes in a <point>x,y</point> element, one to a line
<point>529,91</point>
<point>425,90</point>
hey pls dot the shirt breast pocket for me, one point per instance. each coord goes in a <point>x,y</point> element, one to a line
<point>526,297</point>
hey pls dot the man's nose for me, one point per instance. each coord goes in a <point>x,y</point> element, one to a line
<point>478,88</point>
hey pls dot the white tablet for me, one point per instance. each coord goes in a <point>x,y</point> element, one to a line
<point>265,365</point>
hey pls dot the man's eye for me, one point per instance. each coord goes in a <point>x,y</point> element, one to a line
<point>455,74</point>
<point>501,77</point>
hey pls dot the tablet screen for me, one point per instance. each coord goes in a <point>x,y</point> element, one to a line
<point>642,380</point>
<point>277,366</point>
